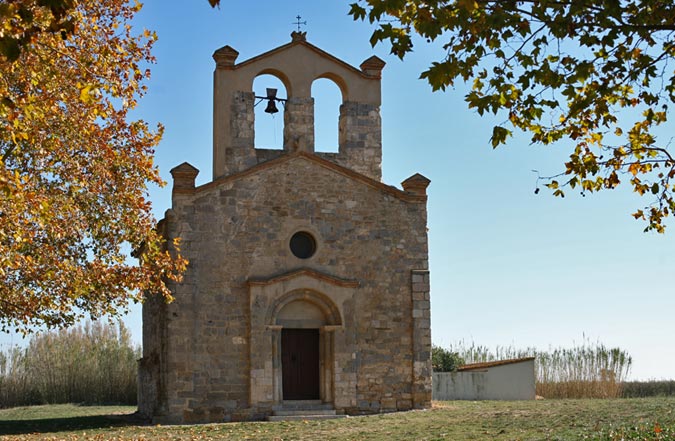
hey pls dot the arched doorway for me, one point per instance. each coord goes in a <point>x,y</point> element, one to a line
<point>305,320</point>
<point>300,368</point>
<point>300,299</point>
<point>300,349</point>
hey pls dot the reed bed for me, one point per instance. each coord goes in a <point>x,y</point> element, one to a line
<point>94,363</point>
<point>587,370</point>
<point>651,388</point>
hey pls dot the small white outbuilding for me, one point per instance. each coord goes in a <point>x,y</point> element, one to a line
<point>496,380</point>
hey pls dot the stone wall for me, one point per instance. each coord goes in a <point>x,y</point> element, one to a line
<point>264,155</point>
<point>237,230</point>
<point>299,124</point>
<point>360,138</point>
<point>151,393</point>
<point>360,135</point>
<point>297,65</point>
<point>214,353</point>
<point>239,153</point>
<point>421,336</point>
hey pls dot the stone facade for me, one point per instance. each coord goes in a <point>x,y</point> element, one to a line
<point>220,351</point>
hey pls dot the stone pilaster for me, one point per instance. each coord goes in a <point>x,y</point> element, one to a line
<point>299,125</point>
<point>421,338</point>
<point>360,138</point>
<point>239,154</point>
<point>265,378</point>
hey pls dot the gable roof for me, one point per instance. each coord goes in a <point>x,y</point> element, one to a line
<point>315,159</point>
<point>301,42</point>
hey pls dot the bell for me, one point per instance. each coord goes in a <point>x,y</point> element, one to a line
<point>271,93</point>
<point>271,107</point>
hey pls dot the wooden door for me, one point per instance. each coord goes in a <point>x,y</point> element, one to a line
<point>300,364</point>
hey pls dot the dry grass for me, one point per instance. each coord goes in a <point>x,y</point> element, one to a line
<point>601,420</point>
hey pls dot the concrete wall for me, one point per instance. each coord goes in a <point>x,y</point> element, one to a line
<point>514,381</point>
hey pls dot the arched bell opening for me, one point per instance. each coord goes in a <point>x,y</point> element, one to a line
<point>328,97</point>
<point>271,92</point>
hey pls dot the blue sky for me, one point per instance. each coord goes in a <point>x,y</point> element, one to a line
<point>508,267</point>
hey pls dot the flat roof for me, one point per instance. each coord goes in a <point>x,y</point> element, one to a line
<point>489,364</point>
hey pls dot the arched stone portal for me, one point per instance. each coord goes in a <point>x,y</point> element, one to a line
<point>304,321</point>
<point>303,312</point>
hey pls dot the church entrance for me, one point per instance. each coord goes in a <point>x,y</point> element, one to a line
<point>300,364</point>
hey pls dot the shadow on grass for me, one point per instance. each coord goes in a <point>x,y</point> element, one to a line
<point>50,425</point>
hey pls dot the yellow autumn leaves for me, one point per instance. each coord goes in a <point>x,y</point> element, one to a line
<point>74,168</point>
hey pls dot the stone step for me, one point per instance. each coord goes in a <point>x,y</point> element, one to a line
<point>294,412</point>
<point>304,404</point>
<point>303,417</point>
<point>302,410</point>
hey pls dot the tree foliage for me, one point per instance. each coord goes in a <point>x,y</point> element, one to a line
<point>596,76</point>
<point>74,166</point>
<point>444,360</point>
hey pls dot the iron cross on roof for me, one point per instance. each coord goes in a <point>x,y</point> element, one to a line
<point>298,23</point>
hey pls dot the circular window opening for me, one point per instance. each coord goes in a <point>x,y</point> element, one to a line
<point>303,245</point>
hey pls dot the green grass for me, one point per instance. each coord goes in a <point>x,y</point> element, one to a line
<point>59,418</point>
<point>596,420</point>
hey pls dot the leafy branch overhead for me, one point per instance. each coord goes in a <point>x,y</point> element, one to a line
<point>74,166</point>
<point>594,75</point>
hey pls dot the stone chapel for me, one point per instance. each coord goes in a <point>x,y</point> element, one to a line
<point>308,283</point>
